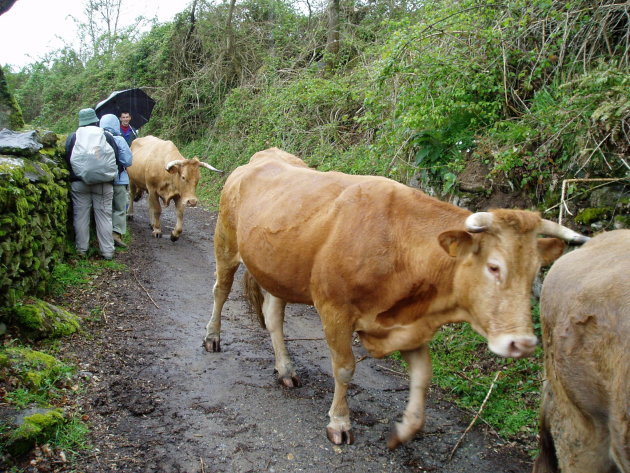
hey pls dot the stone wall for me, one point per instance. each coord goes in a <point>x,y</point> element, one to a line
<point>34,205</point>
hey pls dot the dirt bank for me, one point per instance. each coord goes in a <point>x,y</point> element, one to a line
<point>157,402</point>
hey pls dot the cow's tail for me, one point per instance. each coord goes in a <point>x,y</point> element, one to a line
<point>254,296</point>
<point>547,461</point>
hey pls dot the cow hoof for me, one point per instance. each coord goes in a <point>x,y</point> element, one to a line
<point>174,238</point>
<point>394,441</point>
<point>157,235</point>
<point>290,382</point>
<point>340,437</point>
<point>212,346</point>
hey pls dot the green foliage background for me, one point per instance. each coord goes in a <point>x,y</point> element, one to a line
<point>536,90</point>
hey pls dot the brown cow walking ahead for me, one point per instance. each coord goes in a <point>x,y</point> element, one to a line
<point>160,169</point>
<point>585,314</point>
<point>379,258</point>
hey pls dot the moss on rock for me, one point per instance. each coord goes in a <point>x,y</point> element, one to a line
<point>36,428</point>
<point>32,369</point>
<point>590,215</point>
<point>10,112</point>
<point>33,220</point>
<point>44,319</point>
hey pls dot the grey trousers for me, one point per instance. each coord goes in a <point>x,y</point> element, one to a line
<point>119,208</point>
<point>97,197</point>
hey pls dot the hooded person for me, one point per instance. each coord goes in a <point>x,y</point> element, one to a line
<point>88,198</point>
<point>120,200</point>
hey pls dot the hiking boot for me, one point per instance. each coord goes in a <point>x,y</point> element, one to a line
<point>118,240</point>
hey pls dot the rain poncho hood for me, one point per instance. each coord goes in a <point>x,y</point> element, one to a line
<point>111,124</point>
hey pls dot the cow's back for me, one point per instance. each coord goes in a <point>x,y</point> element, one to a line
<point>290,220</point>
<point>585,314</point>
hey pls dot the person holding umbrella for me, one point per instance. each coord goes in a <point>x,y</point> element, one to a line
<point>133,104</point>
<point>131,109</point>
<point>126,130</point>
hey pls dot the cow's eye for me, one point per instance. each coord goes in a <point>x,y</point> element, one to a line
<point>494,270</point>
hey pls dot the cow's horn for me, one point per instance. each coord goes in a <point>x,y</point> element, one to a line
<point>170,164</point>
<point>206,165</point>
<point>479,222</point>
<point>549,228</point>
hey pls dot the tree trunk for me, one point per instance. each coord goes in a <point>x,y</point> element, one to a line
<point>332,44</point>
<point>229,32</point>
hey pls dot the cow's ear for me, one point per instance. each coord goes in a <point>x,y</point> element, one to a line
<point>456,243</point>
<point>550,249</point>
<point>173,169</point>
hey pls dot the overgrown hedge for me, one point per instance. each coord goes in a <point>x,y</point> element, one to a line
<point>33,214</point>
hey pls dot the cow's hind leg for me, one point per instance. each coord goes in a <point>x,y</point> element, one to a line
<point>273,311</point>
<point>220,292</point>
<point>339,338</point>
<point>620,424</point>
<point>420,373</point>
<point>227,262</point>
<point>132,194</point>
<point>547,461</point>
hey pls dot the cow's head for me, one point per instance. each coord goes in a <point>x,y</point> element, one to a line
<point>498,259</point>
<point>186,174</point>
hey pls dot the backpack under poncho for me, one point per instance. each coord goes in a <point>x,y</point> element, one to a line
<point>93,159</point>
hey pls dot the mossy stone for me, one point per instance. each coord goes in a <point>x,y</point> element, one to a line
<point>34,220</point>
<point>45,319</point>
<point>33,369</point>
<point>592,214</point>
<point>36,428</point>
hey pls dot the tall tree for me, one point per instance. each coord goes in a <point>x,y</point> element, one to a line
<point>229,30</point>
<point>102,24</point>
<point>332,43</point>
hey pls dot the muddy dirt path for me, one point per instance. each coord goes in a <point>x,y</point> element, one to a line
<point>157,402</point>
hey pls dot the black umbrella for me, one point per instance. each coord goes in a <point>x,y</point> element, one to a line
<point>134,101</point>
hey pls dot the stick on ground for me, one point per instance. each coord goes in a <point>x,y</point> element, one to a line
<point>483,404</point>
<point>143,288</point>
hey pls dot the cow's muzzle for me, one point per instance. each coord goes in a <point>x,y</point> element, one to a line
<point>513,346</point>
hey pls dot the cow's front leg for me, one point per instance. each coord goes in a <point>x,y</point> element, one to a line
<point>339,337</point>
<point>273,310</point>
<point>179,224</point>
<point>155,210</point>
<point>420,373</point>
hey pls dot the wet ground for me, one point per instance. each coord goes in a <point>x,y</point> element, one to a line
<point>157,402</point>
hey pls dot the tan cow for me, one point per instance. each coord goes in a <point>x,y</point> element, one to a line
<point>160,169</point>
<point>585,314</point>
<point>380,259</point>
